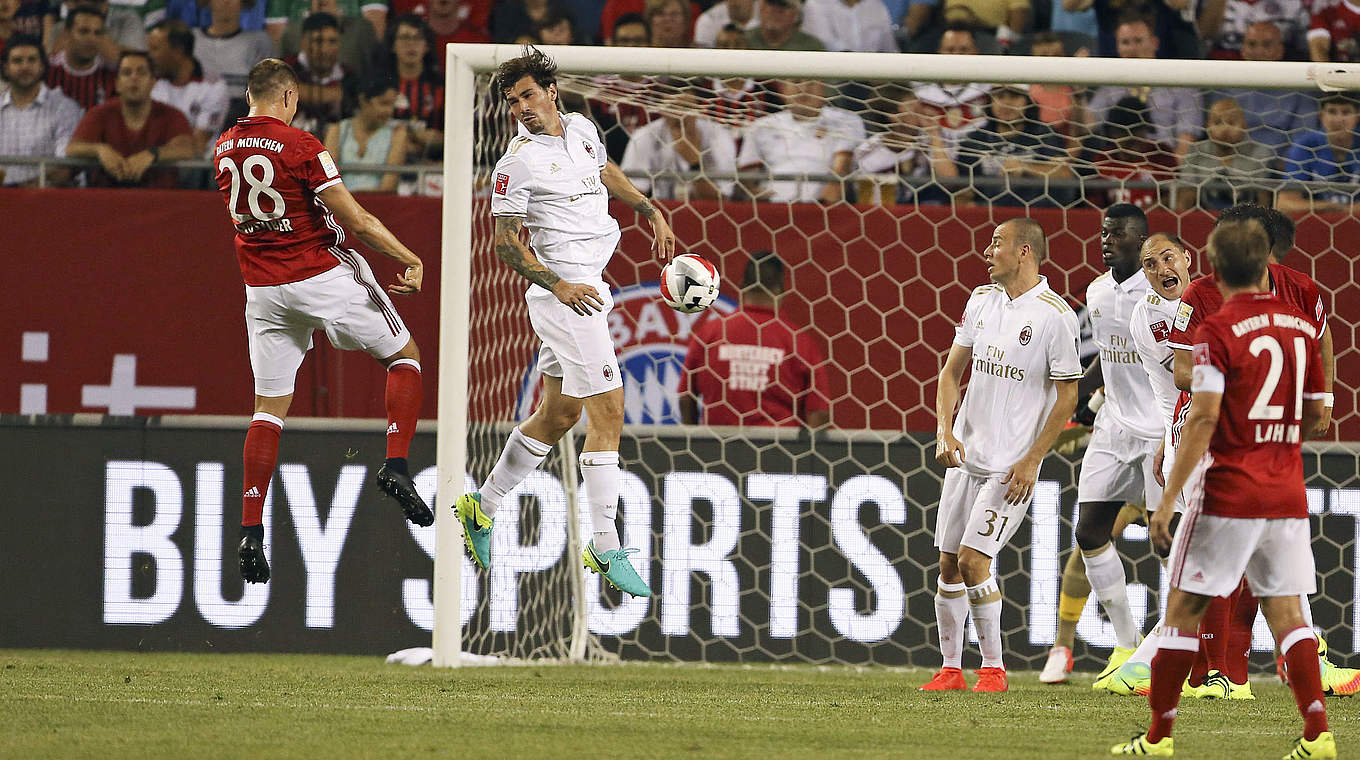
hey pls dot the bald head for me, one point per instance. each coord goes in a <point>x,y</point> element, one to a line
<point>1031,233</point>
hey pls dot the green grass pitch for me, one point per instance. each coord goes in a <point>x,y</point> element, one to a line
<point>63,704</point>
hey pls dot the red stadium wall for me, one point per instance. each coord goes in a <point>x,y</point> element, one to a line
<point>151,274</point>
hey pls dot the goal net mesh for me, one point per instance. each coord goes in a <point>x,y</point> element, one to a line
<point>781,544</point>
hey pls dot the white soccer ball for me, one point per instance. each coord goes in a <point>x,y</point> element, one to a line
<point>689,283</point>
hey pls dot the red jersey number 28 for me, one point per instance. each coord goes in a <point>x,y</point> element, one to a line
<point>261,184</point>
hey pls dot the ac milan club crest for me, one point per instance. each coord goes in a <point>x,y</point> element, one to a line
<point>1025,334</point>
<point>590,149</point>
<point>608,372</point>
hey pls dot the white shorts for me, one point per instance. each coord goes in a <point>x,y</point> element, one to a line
<point>1118,466</point>
<point>1210,554</point>
<point>346,302</point>
<point>577,349</point>
<point>974,513</point>
<point>1169,461</point>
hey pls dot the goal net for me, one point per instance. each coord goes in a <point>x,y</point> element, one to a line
<point>877,180</point>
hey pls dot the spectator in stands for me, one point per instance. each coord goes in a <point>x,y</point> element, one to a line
<point>1175,113</point>
<point>1171,21</point>
<point>615,106</point>
<point>670,22</point>
<point>1224,23</point>
<point>1334,32</point>
<point>556,28</point>
<point>358,39</point>
<point>1076,16</point>
<point>512,18</point>
<point>861,26</point>
<point>1328,155</point>
<point>742,13</point>
<point>1061,106</point>
<point>1007,19</point>
<point>681,141</point>
<point>371,136</point>
<point>283,14</point>
<point>326,88</point>
<point>202,98</point>
<point>630,30</point>
<point>456,21</point>
<point>196,14</point>
<point>755,366</point>
<point>131,133</point>
<point>1124,150</point>
<point>912,149</point>
<point>1273,116</point>
<point>914,23</point>
<point>224,48</point>
<point>959,108</point>
<point>34,18</point>
<point>58,35</point>
<point>1226,168</point>
<point>35,120</point>
<point>1013,144</point>
<point>779,28</point>
<point>80,71</point>
<point>737,101</point>
<point>421,100</point>
<point>807,137</point>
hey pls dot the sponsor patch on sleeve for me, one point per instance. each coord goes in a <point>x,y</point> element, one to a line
<point>328,164</point>
<point>1183,316</point>
<point>1160,331</point>
<point>502,183</point>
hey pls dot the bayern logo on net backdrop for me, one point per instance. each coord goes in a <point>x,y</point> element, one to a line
<point>650,339</point>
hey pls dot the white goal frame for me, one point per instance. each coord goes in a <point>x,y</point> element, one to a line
<point>463,63</point>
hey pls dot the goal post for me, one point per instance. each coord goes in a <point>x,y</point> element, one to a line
<point>816,470</point>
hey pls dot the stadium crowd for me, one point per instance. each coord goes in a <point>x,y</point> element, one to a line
<point>373,92</point>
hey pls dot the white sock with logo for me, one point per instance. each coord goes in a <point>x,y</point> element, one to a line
<point>984,604</point>
<point>951,617</point>
<point>1105,571</point>
<point>1148,648</point>
<point>600,471</point>
<point>521,456</point>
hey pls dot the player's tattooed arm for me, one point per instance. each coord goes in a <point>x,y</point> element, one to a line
<point>511,250</point>
<point>619,186</point>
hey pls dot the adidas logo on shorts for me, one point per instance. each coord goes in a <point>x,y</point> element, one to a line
<point>392,428</point>
<point>253,493</point>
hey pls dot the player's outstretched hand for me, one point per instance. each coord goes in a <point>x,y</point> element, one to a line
<point>663,240</point>
<point>1020,480</point>
<point>1157,464</point>
<point>1159,527</point>
<point>583,299</point>
<point>948,450</point>
<point>409,281</point>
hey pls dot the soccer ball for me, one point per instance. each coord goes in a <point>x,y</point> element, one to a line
<point>689,283</point>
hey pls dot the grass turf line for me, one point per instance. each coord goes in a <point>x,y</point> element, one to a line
<point>116,704</point>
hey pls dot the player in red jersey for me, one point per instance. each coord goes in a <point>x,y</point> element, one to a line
<point>288,204</point>
<point>1257,390</point>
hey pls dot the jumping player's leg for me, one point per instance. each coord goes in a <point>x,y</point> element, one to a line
<point>530,443</point>
<point>402,399</point>
<point>600,465</point>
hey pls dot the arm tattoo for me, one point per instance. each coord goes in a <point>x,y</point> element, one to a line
<point>510,250</point>
<point>645,208</point>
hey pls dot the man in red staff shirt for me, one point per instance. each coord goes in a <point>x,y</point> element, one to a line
<point>132,132</point>
<point>288,204</point>
<point>1257,391</point>
<point>754,367</point>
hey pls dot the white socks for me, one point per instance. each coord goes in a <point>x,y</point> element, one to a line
<point>1148,648</point>
<point>984,603</point>
<point>521,456</point>
<point>600,471</point>
<point>1105,571</point>
<point>1307,609</point>
<point>951,615</point>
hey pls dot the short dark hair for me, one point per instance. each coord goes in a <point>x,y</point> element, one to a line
<point>1136,16</point>
<point>532,62</point>
<point>633,18</point>
<point>553,17</point>
<point>764,271</point>
<point>23,40</point>
<point>1030,232</point>
<point>1243,211</point>
<point>81,10</point>
<point>1238,251</point>
<point>376,85</point>
<point>1338,98</point>
<point>1128,211</point>
<point>319,21</point>
<point>1046,37</point>
<point>126,54</point>
<point>177,33</point>
<point>1281,230</point>
<point>268,77</point>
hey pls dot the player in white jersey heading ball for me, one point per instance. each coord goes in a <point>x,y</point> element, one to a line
<point>1021,340</point>
<point>556,180</point>
<point>1118,466</point>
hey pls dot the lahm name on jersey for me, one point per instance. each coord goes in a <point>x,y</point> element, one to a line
<point>992,364</point>
<point>257,225</point>
<point>1277,432</point>
<point>1260,321</point>
<point>263,143</point>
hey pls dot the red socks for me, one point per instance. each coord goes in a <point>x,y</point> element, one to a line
<point>1175,656</point>
<point>1305,679</point>
<point>403,405</point>
<point>261,451</point>
<point>1213,635</point>
<point>1240,622</point>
